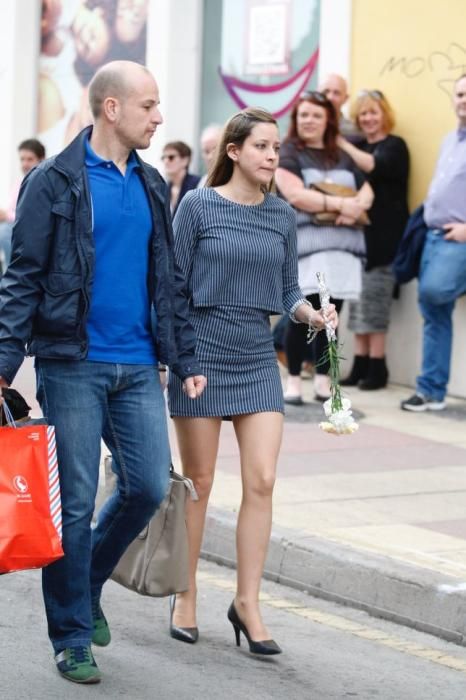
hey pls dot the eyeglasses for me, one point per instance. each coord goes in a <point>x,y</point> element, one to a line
<point>170,156</point>
<point>315,95</point>
<point>375,94</point>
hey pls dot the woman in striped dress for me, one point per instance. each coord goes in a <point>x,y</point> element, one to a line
<point>236,244</point>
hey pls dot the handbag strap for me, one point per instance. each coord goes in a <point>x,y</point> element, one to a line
<point>8,415</point>
<point>186,481</point>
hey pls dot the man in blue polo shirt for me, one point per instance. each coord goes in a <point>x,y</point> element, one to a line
<point>94,293</point>
<point>442,276</point>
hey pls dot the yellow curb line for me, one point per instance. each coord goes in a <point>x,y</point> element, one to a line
<point>344,625</point>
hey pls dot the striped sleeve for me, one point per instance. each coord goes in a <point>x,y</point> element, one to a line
<point>292,294</point>
<point>186,227</point>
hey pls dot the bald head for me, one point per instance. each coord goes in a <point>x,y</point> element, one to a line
<point>335,89</point>
<point>115,79</point>
<point>210,137</point>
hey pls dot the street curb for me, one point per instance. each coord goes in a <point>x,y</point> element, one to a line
<point>383,587</point>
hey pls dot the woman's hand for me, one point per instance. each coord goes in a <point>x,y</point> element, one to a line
<point>317,319</point>
<point>194,386</point>
<point>345,221</point>
<point>351,207</point>
<point>342,142</point>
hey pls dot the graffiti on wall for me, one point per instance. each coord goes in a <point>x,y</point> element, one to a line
<point>444,65</point>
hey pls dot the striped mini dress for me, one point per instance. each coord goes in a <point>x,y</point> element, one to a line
<point>240,264</point>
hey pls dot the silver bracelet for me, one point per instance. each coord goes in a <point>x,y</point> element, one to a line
<point>312,332</point>
<point>311,329</point>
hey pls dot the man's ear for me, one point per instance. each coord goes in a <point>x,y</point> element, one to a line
<point>110,108</point>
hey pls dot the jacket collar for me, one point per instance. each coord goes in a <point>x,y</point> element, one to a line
<point>72,160</point>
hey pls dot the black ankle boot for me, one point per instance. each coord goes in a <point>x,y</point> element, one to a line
<point>358,371</point>
<point>377,375</point>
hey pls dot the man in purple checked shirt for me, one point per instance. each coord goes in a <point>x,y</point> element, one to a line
<point>442,277</point>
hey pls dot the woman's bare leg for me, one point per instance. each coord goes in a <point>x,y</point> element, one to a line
<point>259,437</point>
<point>198,446</point>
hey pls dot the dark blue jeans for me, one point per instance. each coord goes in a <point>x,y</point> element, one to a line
<point>124,406</point>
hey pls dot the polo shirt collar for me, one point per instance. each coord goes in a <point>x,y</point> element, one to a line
<point>461,133</point>
<point>92,159</point>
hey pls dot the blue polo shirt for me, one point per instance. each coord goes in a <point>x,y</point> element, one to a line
<point>119,321</point>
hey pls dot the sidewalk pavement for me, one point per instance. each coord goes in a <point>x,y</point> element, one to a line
<point>375,520</point>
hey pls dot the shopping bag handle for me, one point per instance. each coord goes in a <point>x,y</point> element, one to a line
<point>8,415</point>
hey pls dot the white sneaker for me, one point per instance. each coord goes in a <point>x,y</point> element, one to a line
<point>293,391</point>
<point>419,403</point>
<point>322,387</point>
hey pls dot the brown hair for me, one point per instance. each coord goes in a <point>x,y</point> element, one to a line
<point>236,131</point>
<point>180,147</point>
<point>366,98</point>
<point>331,129</point>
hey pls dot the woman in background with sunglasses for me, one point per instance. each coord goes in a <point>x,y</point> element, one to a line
<point>310,157</point>
<point>385,159</point>
<point>176,158</point>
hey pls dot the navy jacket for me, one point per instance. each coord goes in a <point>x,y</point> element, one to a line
<point>45,293</point>
<point>190,182</point>
<point>408,256</point>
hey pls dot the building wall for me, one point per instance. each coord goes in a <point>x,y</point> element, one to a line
<point>414,52</point>
<point>19,39</point>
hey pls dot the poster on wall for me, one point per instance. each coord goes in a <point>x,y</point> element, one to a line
<point>268,45</point>
<point>77,37</point>
<point>260,53</point>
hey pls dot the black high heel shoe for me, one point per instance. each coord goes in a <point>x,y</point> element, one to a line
<point>267,647</point>
<point>190,635</point>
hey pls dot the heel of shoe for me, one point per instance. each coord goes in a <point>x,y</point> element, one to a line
<point>237,635</point>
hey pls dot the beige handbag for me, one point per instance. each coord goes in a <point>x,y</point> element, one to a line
<point>327,218</point>
<point>156,562</point>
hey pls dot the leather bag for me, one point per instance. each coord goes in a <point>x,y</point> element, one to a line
<point>327,218</point>
<point>156,562</point>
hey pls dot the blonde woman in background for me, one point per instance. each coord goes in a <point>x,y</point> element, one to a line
<point>384,158</point>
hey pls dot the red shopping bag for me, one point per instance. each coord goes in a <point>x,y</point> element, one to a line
<point>30,508</point>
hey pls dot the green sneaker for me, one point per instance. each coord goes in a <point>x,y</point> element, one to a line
<point>101,635</point>
<point>78,665</point>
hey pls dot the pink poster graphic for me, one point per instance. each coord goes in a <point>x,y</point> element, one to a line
<point>77,37</point>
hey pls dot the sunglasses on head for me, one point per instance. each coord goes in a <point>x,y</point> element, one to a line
<point>375,94</point>
<point>315,95</point>
<point>169,156</point>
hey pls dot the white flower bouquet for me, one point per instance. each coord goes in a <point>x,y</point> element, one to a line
<point>337,409</point>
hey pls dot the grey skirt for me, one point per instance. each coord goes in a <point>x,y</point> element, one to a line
<point>236,353</point>
<point>371,313</point>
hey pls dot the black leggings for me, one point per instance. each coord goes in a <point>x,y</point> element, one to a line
<point>295,341</point>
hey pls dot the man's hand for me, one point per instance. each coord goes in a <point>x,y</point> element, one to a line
<point>455,232</point>
<point>194,386</point>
